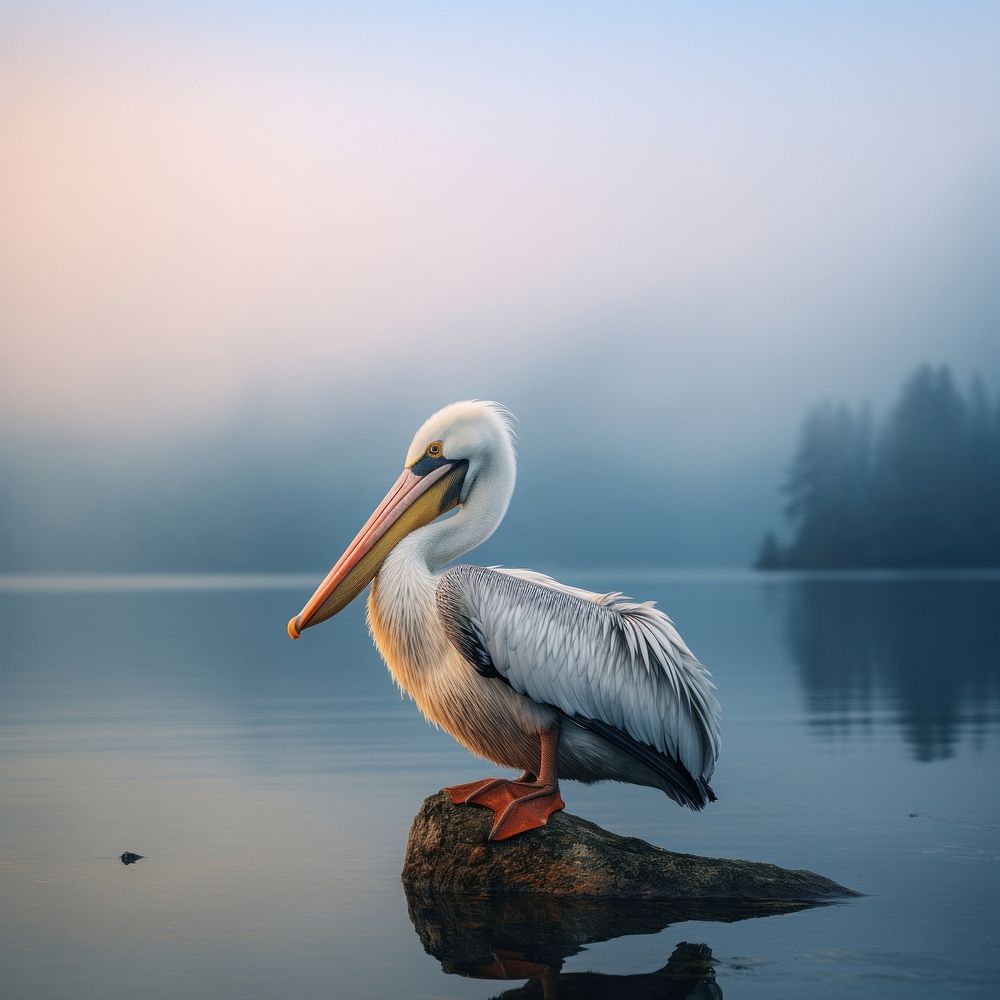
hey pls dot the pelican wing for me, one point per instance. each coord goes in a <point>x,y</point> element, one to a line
<point>611,665</point>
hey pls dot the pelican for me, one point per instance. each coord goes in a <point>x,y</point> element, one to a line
<point>529,673</point>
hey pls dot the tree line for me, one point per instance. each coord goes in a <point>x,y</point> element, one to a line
<point>921,488</point>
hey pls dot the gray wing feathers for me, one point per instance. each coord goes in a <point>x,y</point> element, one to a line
<point>601,657</point>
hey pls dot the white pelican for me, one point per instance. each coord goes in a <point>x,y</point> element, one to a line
<point>520,669</point>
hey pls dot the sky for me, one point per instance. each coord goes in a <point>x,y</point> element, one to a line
<point>261,242</point>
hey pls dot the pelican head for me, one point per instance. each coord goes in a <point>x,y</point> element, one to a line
<point>455,458</point>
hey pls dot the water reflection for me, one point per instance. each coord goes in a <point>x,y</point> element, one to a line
<point>521,936</point>
<point>688,973</point>
<point>923,651</point>
<point>271,785</point>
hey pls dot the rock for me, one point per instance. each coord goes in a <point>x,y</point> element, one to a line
<point>128,858</point>
<point>447,851</point>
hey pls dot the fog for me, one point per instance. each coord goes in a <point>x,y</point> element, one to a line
<point>246,251</point>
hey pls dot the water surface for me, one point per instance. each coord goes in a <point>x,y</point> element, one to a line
<point>270,786</point>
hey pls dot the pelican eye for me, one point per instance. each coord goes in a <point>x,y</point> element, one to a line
<point>432,458</point>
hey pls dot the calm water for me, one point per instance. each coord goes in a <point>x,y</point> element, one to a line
<point>270,786</point>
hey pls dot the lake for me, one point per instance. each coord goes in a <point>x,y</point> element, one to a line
<point>269,786</point>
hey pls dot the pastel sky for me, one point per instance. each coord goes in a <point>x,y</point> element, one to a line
<point>693,217</point>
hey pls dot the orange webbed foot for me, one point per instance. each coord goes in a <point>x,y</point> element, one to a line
<point>517,805</point>
<point>527,811</point>
<point>468,794</point>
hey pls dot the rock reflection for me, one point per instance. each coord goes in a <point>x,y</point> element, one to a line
<point>925,648</point>
<point>521,936</point>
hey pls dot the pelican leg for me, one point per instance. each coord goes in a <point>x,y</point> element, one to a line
<point>522,804</point>
<point>532,809</point>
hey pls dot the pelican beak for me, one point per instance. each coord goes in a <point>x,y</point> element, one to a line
<point>414,500</point>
